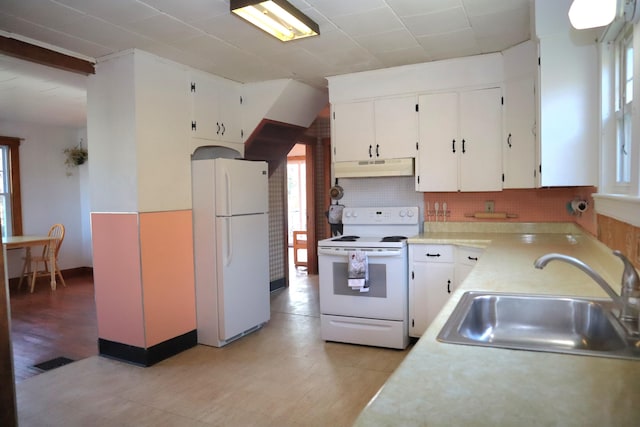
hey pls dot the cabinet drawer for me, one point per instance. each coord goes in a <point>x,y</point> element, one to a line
<point>433,253</point>
<point>468,255</point>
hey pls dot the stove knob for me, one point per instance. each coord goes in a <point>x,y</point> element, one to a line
<point>402,213</point>
<point>409,213</point>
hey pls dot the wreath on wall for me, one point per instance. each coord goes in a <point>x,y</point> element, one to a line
<point>75,157</point>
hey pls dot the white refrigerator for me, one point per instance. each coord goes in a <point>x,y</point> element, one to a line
<point>231,248</point>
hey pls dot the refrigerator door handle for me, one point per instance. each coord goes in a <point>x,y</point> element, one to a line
<point>227,182</point>
<point>228,256</point>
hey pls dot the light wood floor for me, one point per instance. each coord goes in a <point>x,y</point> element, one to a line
<point>282,375</point>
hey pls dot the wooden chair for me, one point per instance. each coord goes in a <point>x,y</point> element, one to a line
<point>299,243</point>
<point>32,262</point>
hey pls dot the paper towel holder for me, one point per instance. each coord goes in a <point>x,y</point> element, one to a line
<point>577,206</point>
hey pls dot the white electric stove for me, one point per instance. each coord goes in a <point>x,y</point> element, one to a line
<point>378,317</point>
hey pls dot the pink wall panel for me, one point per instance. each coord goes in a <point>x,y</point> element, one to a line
<point>116,274</point>
<point>166,239</point>
<point>530,205</point>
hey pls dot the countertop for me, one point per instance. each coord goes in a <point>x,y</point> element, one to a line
<point>441,384</point>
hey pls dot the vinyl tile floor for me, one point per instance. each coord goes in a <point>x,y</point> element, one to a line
<point>281,375</point>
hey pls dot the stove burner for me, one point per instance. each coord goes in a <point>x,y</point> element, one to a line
<point>346,239</point>
<point>393,239</point>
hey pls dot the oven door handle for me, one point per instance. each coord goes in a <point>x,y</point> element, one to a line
<point>370,253</point>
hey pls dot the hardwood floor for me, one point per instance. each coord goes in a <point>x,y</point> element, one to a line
<point>48,324</point>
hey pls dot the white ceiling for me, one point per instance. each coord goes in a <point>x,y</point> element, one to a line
<point>355,35</point>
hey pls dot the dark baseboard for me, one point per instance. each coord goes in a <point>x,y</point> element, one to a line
<point>68,273</point>
<point>274,285</point>
<point>147,356</point>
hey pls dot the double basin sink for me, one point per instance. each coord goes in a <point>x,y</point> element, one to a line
<point>539,323</point>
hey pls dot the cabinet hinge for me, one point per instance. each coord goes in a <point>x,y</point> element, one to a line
<point>418,178</point>
<point>334,151</point>
<point>540,168</point>
<point>241,133</point>
<point>412,276</point>
<point>534,173</point>
<point>241,100</point>
<point>417,108</point>
<point>413,323</point>
<point>502,100</point>
<point>334,115</point>
<point>417,146</point>
<point>193,125</point>
<point>538,61</point>
<point>193,87</point>
<point>502,177</point>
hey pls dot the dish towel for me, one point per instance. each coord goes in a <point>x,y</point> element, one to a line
<point>358,271</point>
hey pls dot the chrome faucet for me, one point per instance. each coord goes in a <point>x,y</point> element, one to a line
<point>628,302</point>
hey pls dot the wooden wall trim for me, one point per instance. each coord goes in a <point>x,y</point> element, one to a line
<point>40,55</point>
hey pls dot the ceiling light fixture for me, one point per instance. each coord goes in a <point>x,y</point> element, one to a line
<point>276,17</point>
<point>585,14</point>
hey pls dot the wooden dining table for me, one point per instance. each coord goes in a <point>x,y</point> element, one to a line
<point>28,242</point>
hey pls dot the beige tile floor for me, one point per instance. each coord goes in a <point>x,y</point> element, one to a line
<point>282,375</point>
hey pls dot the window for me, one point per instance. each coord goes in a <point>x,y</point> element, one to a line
<point>623,106</point>
<point>10,201</point>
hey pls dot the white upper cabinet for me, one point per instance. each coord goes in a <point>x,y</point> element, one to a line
<point>396,121</point>
<point>460,141</point>
<point>216,107</point>
<point>568,99</point>
<point>519,141</point>
<point>353,130</point>
<point>375,129</point>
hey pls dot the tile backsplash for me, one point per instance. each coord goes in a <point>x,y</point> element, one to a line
<point>526,205</point>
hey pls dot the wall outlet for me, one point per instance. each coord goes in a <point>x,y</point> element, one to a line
<point>489,206</point>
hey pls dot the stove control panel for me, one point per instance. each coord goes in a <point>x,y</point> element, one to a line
<point>385,215</point>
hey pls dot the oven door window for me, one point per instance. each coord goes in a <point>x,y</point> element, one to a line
<point>377,281</point>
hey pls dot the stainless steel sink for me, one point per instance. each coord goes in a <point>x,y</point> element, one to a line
<point>539,323</point>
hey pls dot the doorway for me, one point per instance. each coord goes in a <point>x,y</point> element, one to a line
<point>297,217</point>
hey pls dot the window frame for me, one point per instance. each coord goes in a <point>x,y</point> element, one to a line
<point>15,197</point>
<point>623,110</point>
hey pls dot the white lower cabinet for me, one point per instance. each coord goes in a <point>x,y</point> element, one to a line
<point>435,272</point>
<point>430,283</point>
<point>466,259</point>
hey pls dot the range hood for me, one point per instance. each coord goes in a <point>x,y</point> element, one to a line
<point>374,168</point>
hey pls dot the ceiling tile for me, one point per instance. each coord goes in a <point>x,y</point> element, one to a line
<point>383,42</point>
<point>394,58</point>
<point>485,7</point>
<point>438,22</point>
<point>115,11</point>
<point>369,22</point>
<point>333,8</point>
<point>162,28</point>
<point>413,7</point>
<point>506,22</point>
<point>196,10</point>
<point>449,44</point>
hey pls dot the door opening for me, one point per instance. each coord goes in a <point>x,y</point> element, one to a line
<point>297,209</point>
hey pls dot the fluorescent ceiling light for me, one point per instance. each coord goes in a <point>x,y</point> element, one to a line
<point>276,17</point>
<point>585,14</point>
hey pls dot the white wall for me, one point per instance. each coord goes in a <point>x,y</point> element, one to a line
<point>48,194</point>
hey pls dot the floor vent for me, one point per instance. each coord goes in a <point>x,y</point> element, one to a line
<point>53,363</point>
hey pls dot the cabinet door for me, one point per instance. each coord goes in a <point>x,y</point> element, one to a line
<point>439,285</point>
<point>229,112</point>
<point>204,106</point>
<point>418,299</point>
<point>480,131</point>
<point>353,131</point>
<point>396,127</point>
<point>520,145</point>
<point>568,111</point>
<point>466,259</point>
<point>215,108</point>
<point>439,143</point>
